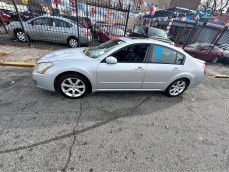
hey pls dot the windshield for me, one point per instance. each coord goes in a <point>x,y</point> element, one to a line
<point>95,52</point>
<point>157,32</point>
<point>116,31</point>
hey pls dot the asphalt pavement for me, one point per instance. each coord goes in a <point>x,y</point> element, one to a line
<point>42,131</point>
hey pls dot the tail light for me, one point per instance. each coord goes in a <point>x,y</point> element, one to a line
<point>205,70</point>
<point>84,25</point>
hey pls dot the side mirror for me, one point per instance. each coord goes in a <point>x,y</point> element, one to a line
<point>30,23</point>
<point>111,60</point>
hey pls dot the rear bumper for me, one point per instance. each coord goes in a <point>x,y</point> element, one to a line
<point>44,81</point>
<point>195,82</point>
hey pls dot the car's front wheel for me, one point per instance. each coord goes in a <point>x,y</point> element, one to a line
<point>177,88</point>
<point>21,35</point>
<point>73,86</point>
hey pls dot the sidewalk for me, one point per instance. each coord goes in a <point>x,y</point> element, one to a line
<point>21,54</point>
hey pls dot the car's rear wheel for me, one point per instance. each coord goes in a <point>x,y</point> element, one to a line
<point>215,60</point>
<point>21,35</point>
<point>73,42</point>
<point>177,88</point>
<point>73,86</point>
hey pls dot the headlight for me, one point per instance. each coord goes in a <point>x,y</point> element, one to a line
<point>42,67</point>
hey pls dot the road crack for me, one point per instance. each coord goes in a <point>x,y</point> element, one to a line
<point>98,124</point>
<point>74,139</point>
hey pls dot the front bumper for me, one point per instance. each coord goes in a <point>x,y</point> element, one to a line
<point>44,81</point>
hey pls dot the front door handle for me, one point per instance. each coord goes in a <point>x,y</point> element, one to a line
<point>176,69</point>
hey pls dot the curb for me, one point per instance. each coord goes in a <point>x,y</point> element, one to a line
<point>221,76</point>
<point>19,64</point>
<point>216,74</point>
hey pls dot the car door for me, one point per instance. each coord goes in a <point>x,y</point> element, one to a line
<point>129,71</point>
<point>138,31</point>
<point>163,64</point>
<point>40,28</point>
<point>60,30</point>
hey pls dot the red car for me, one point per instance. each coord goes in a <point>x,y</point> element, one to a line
<point>107,33</point>
<point>200,51</point>
<point>5,18</point>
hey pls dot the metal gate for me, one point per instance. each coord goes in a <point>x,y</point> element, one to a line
<point>56,24</point>
<point>208,42</point>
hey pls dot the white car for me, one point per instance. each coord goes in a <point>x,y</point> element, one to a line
<point>123,64</point>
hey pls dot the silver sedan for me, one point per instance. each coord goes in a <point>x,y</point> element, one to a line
<point>123,64</point>
<point>54,29</point>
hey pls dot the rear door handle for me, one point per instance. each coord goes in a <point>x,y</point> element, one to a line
<point>140,69</point>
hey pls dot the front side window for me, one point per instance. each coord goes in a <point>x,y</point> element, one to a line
<point>132,54</point>
<point>164,55</point>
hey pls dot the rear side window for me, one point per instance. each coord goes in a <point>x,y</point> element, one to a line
<point>60,23</point>
<point>164,55</point>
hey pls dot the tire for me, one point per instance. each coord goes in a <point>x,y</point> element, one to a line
<point>73,42</point>
<point>177,88</point>
<point>73,86</point>
<point>20,35</point>
<point>215,60</point>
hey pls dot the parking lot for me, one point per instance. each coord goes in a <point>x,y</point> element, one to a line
<point>122,131</point>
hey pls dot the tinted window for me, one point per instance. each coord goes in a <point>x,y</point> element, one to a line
<point>165,55</point>
<point>42,21</point>
<point>132,54</point>
<point>60,23</point>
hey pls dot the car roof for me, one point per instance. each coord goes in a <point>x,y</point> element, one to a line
<point>54,17</point>
<point>149,41</point>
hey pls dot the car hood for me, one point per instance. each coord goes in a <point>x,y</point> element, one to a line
<point>66,54</point>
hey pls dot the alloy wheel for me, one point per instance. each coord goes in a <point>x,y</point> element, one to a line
<point>73,87</point>
<point>73,43</point>
<point>177,88</point>
<point>21,36</point>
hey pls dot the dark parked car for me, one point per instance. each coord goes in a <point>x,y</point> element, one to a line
<point>98,25</point>
<point>200,51</point>
<point>5,18</point>
<point>106,33</point>
<point>149,32</point>
<point>8,12</point>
